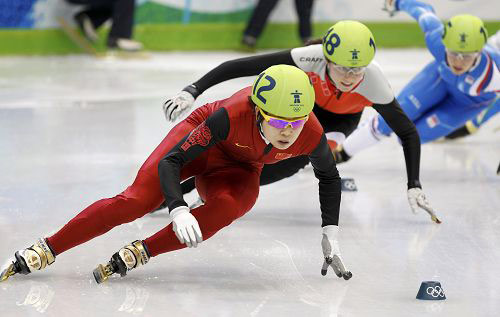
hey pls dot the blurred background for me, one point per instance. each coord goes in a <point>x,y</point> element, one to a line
<point>32,26</point>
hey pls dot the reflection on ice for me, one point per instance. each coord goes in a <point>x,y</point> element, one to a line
<point>135,301</point>
<point>39,297</point>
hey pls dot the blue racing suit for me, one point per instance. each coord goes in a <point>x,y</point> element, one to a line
<point>438,101</point>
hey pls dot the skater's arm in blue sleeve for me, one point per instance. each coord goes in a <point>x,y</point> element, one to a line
<point>326,172</point>
<point>404,128</point>
<point>428,22</point>
<point>214,129</point>
<point>241,67</point>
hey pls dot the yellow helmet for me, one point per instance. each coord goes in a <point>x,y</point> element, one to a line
<point>464,33</point>
<point>284,91</point>
<point>349,44</point>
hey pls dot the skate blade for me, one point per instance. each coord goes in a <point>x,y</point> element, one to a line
<point>100,274</point>
<point>8,272</point>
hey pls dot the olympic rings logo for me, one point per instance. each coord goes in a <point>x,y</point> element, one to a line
<point>435,291</point>
<point>349,184</point>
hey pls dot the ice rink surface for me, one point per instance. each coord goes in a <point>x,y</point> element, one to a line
<point>76,129</point>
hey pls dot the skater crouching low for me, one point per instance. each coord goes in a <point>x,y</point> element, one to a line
<point>224,145</point>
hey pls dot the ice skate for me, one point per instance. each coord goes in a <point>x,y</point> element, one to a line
<point>123,44</point>
<point>126,49</point>
<point>128,258</point>
<point>248,44</point>
<point>34,258</point>
<point>390,7</point>
<point>86,27</point>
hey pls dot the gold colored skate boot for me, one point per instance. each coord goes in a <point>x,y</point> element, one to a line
<point>34,258</point>
<point>127,258</point>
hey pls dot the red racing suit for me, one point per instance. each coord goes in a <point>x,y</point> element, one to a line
<point>222,146</point>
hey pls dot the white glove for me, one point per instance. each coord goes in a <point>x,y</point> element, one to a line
<point>417,199</point>
<point>178,105</point>
<point>186,226</point>
<point>331,252</point>
<point>390,7</point>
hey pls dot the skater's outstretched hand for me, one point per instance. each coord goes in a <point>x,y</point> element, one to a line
<point>417,199</point>
<point>331,253</point>
<point>186,227</point>
<point>180,103</point>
